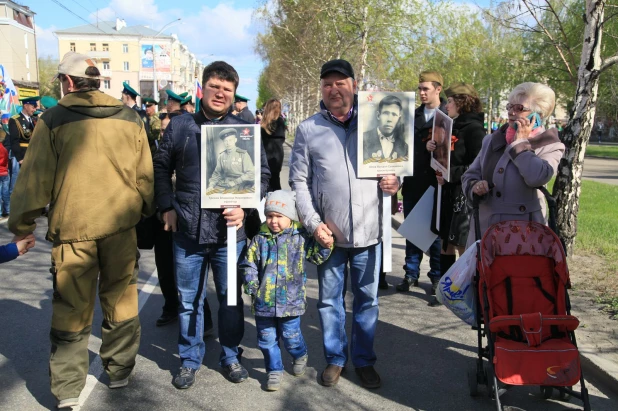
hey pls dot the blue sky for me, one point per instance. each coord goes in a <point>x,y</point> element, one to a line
<point>213,30</point>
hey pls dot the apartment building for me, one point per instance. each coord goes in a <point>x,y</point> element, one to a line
<point>138,55</point>
<point>18,52</point>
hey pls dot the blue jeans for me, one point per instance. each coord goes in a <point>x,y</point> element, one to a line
<point>5,195</point>
<point>414,255</point>
<point>332,277</point>
<point>14,172</point>
<point>270,330</point>
<point>191,265</point>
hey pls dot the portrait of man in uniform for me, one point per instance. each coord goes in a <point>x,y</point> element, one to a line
<point>234,171</point>
<point>386,141</point>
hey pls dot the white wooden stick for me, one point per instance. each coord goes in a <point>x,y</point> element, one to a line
<point>387,238</point>
<point>232,261</point>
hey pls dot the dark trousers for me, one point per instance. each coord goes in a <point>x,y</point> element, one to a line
<point>274,152</point>
<point>164,260</point>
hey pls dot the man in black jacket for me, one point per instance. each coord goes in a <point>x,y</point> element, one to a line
<point>200,235</point>
<point>413,188</point>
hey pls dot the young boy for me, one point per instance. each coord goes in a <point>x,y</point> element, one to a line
<point>274,276</point>
<point>13,250</point>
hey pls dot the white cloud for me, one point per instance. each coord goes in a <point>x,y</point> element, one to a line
<point>144,12</point>
<point>46,42</point>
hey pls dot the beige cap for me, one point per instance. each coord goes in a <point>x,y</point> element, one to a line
<point>432,76</point>
<point>461,88</point>
<point>75,64</point>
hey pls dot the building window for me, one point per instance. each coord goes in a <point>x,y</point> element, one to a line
<point>125,48</point>
<point>106,84</point>
<point>72,47</point>
<point>27,61</point>
<point>105,47</point>
<point>126,66</point>
<point>26,40</point>
<point>93,46</point>
<point>106,65</point>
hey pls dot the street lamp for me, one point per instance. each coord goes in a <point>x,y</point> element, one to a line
<point>154,60</point>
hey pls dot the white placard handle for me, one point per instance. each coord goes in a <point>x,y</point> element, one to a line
<point>232,261</point>
<point>387,238</point>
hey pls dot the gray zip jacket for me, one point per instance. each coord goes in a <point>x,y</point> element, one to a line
<point>323,173</point>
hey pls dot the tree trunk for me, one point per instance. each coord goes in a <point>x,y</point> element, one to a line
<point>567,187</point>
<point>364,49</point>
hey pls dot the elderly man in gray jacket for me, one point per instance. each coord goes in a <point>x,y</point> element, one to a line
<point>336,206</point>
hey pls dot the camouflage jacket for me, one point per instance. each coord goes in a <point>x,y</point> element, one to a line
<point>274,270</point>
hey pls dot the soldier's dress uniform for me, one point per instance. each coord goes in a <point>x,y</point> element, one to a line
<point>245,113</point>
<point>234,170</point>
<point>20,130</point>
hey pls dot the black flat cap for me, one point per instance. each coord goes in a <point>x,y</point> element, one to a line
<point>338,65</point>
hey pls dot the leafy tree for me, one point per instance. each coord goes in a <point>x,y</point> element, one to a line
<point>48,67</point>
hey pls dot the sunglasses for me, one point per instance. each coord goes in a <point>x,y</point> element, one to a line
<point>516,108</point>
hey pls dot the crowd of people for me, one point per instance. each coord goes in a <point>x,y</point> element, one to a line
<point>147,169</point>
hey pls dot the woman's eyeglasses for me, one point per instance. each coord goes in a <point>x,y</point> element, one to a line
<point>516,108</point>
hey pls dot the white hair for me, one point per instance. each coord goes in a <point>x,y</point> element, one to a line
<point>541,98</point>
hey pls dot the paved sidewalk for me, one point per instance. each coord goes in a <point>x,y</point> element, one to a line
<point>598,343</point>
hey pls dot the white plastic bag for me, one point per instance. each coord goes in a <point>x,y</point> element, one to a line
<point>456,291</point>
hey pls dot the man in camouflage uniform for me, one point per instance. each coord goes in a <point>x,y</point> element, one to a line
<point>153,128</point>
<point>234,170</point>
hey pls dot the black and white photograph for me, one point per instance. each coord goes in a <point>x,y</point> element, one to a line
<point>442,131</point>
<point>230,166</point>
<point>386,129</point>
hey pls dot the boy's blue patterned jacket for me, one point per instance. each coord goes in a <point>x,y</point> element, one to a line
<point>274,270</point>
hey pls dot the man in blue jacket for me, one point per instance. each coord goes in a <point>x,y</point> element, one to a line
<point>337,206</point>
<point>200,235</point>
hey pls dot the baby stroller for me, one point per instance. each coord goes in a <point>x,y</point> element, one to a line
<point>522,280</point>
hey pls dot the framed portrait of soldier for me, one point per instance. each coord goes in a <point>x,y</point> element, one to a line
<point>441,134</point>
<point>230,166</point>
<point>385,133</point>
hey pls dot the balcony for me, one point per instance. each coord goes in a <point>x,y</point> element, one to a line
<point>98,54</point>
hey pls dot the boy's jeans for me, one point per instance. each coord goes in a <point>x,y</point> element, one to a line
<point>5,195</point>
<point>191,262</point>
<point>270,330</point>
<point>364,268</point>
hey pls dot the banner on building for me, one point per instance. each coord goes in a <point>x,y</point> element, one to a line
<point>156,56</point>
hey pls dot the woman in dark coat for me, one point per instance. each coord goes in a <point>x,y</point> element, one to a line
<point>464,107</point>
<point>273,135</point>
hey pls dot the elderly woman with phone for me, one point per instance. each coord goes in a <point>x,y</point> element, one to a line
<point>516,159</point>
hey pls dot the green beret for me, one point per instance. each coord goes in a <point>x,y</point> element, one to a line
<point>461,88</point>
<point>148,100</point>
<point>226,132</point>
<point>30,100</point>
<point>433,76</point>
<point>173,96</point>
<point>129,90</point>
<point>238,97</point>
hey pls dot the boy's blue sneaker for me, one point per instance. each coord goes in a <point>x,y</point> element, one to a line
<point>274,380</point>
<point>236,372</point>
<point>185,378</point>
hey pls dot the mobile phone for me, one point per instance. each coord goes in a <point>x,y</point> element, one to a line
<point>534,118</point>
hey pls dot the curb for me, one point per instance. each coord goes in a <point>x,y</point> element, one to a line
<point>601,157</point>
<point>595,368</point>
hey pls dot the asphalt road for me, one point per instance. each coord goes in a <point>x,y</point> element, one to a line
<point>423,354</point>
<point>601,170</point>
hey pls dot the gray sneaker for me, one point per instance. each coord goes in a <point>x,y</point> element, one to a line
<point>300,366</point>
<point>274,380</point>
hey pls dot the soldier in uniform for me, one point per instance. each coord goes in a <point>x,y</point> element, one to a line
<point>21,127</point>
<point>129,98</point>
<point>240,105</point>
<point>187,105</point>
<point>154,123</point>
<point>234,170</point>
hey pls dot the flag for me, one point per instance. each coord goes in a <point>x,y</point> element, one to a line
<point>198,95</point>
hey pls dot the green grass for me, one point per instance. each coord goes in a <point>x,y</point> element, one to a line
<point>610,305</point>
<point>602,151</point>
<point>597,226</point>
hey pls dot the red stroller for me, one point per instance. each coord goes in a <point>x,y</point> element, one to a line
<point>522,280</point>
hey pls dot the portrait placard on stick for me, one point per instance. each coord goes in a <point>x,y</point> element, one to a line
<point>385,133</point>
<point>230,167</point>
<point>442,131</point>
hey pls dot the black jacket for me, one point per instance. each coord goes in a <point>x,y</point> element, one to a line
<point>20,131</point>
<point>247,115</point>
<point>414,187</point>
<point>180,151</point>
